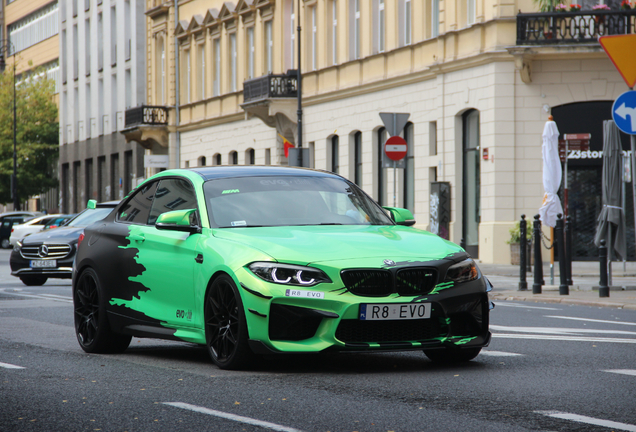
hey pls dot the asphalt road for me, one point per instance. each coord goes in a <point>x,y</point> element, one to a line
<point>549,368</point>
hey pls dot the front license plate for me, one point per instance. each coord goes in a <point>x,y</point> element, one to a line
<point>395,311</point>
<point>43,264</point>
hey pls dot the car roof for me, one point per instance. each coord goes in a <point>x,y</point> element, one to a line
<point>107,204</point>
<point>229,171</point>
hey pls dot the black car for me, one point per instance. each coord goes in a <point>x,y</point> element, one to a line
<point>50,253</point>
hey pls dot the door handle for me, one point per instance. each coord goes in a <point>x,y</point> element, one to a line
<point>137,237</point>
<point>199,259</point>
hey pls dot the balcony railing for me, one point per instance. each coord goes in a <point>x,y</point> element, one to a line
<point>271,86</point>
<point>146,115</point>
<point>573,27</point>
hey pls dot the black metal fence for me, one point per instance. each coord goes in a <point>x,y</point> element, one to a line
<point>573,27</point>
<point>147,115</point>
<point>271,86</point>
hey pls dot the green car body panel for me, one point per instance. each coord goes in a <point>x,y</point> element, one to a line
<point>168,272</point>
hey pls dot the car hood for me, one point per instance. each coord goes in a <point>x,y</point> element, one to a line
<point>56,235</point>
<point>315,244</point>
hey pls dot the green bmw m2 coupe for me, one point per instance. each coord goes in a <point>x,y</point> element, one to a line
<point>250,260</point>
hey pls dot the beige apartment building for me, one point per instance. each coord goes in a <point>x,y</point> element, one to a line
<point>478,79</point>
<point>31,27</point>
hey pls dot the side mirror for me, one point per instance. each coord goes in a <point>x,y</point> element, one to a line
<point>178,220</point>
<point>401,216</point>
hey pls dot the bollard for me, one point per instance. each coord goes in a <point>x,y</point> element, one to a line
<point>568,249</point>
<point>564,288</point>
<point>603,289</point>
<point>523,242</point>
<point>538,262</point>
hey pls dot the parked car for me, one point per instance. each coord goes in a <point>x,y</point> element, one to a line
<point>250,260</point>
<point>18,232</point>
<point>6,225</point>
<point>50,254</point>
<point>60,221</point>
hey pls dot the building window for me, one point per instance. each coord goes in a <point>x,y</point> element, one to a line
<point>233,54</point>
<point>314,40</point>
<point>161,71</point>
<point>34,28</point>
<point>217,67</point>
<point>269,47</point>
<point>201,70</point>
<point>381,25</point>
<point>216,159</point>
<point>357,158</point>
<point>250,158</point>
<point>334,32</point>
<point>334,154</point>
<point>250,52</point>
<point>470,12</point>
<point>233,158</point>
<point>188,77</point>
<point>201,161</point>
<point>87,40</point>
<point>434,18</point>
<point>407,22</point>
<point>356,29</point>
<point>292,36</point>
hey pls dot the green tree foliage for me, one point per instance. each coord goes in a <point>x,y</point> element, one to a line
<point>37,134</point>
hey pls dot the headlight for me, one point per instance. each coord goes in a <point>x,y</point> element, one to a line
<point>288,274</point>
<point>464,271</point>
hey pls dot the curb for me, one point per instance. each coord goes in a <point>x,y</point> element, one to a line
<point>593,303</point>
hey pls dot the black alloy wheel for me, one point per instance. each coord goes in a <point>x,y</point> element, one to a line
<point>91,324</point>
<point>225,326</point>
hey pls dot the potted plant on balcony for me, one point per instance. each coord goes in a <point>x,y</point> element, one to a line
<point>515,244</point>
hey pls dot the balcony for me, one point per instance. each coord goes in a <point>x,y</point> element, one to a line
<point>571,28</point>
<point>273,99</point>
<point>147,125</point>
<point>271,86</point>
<point>146,115</point>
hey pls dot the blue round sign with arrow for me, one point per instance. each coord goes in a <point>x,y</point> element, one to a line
<point>624,112</point>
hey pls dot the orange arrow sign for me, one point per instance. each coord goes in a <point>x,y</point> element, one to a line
<point>621,49</point>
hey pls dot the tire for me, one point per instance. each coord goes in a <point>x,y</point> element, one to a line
<point>225,325</point>
<point>6,244</point>
<point>452,355</point>
<point>33,280</point>
<point>91,323</point>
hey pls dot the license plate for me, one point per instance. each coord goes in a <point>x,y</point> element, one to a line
<point>395,311</point>
<point>43,264</point>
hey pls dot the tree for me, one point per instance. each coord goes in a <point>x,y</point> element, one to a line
<point>37,134</point>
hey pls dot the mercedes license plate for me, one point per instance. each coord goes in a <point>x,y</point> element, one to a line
<point>43,264</point>
<point>395,311</point>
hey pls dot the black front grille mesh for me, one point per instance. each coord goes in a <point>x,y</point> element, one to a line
<point>380,283</point>
<point>371,283</point>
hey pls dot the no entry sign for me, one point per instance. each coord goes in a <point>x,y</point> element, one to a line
<point>395,148</point>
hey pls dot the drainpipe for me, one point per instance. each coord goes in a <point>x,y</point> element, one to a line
<point>177,86</point>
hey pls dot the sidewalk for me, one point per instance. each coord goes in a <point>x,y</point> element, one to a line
<point>584,291</point>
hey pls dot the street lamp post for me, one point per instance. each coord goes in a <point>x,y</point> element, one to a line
<point>6,47</point>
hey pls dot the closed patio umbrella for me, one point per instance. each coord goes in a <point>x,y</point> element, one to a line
<point>552,174</point>
<point>611,221</point>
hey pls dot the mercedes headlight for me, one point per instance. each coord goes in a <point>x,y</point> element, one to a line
<point>288,274</point>
<point>463,271</point>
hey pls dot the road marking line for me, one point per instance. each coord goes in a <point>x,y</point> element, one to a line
<point>42,297</point>
<point>591,320</point>
<point>562,338</point>
<point>588,420</point>
<point>508,304</point>
<point>55,296</point>
<point>631,372</point>
<point>558,330</point>
<point>10,366</point>
<point>247,420</point>
<point>498,353</point>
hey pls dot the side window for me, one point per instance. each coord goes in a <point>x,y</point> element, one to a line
<point>137,208</point>
<point>172,194</point>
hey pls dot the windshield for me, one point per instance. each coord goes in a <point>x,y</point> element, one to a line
<point>89,216</point>
<point>284,201</point>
